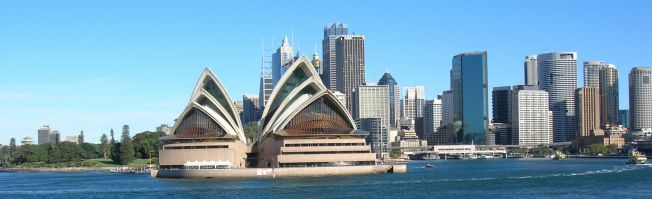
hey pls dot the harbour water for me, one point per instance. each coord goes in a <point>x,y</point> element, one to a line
<point>498,178</point>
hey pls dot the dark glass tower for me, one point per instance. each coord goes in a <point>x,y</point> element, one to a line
<point>394,97</point>
<point>469,86</point>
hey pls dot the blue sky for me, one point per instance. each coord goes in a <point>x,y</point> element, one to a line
<point>93,66</point>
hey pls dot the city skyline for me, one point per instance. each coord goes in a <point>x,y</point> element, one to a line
<point>86,69</point>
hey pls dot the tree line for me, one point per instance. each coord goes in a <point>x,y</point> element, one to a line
<point>123,151</point>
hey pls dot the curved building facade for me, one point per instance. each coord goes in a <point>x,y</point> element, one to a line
<point>304,125</point>
<point>640,98</point>
<point>208,134</point>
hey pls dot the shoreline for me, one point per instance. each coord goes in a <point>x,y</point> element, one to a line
<point>54,169</point>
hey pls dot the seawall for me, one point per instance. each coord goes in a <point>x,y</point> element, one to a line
<point>279,172</point>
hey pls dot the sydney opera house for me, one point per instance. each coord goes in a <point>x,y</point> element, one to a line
<point>305,130</point>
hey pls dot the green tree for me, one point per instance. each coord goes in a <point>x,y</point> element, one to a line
<point>90,150</point>
<point>80,138</point>
<point>65,152</point>
<point>126,147</point>
<point>32,153</point>
<point>595,149</point>
<point>13,149</point>
<point>251,131</point>
<point>395,153</point>
<point>5,157</point>
<point>147,143</point>
<point>104,145</point>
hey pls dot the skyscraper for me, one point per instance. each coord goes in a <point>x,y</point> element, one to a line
<point>413,105</point>
<point>44,134</point>
<point>609,102</point>
<point>623,118</point>
<point>469,86</point>
<point>394,98</point>
<point>558,76</point>
<point>371,110</point>
<point>592,73</point>
<point>530,68</point>
<point>640,98</point>
<point>431,117</point>
<point>502,118</point>
<point>531,118</point>
<point>251,109</point>
<point>587,104</point>
<point>446,107</point>
<point>281,59</point>
<point>350,64</point>
<point>331,33</point>
<point>266,81</point>
<point>372,101</point>
<point>501,104</point>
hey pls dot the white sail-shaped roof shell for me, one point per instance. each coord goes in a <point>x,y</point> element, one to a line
<point>289,97</point>
<point>217,105</point>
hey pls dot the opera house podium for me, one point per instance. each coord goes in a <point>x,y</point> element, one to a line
<point>305,131</point>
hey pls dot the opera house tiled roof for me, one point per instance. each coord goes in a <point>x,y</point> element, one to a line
<point>210,114</point>
<point>300,105</point>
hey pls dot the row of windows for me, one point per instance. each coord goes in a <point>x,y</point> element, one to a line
<point>197,147</point>
<point>327,164</point>
<point>324,144</point>
<point>180,167</point>
<point>324,152</point>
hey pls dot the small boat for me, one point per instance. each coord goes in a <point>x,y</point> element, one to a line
<point>428,166</point>
<point>559,156</point>
<point>636,157</point>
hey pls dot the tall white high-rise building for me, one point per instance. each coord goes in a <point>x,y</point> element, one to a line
<point>531,124</point>
<point>432,116</point>
<point>557,73</point>
<point>592,73</point>
<point>530,68</point>
<point>281,59</point>
<point>371,111</point>
<point>413,102</point>
<point>640,98</point>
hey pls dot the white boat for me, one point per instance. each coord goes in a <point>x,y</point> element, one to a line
<point>636,157</point>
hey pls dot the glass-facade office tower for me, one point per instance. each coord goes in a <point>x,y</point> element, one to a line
<point>394,98</point>
<point>350,65</point>
<point>501,104</point>
<point>530,68</point>
<point>623,117</point>
<point>501,112</point>
<point>331,33</point>
<point>469,86</point>
<point>558,76</point>
<point>640,98</point>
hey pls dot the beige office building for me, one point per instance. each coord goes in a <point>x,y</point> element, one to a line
<point>587,101</point>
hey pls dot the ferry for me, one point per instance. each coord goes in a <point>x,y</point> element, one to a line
<point>559,156</point>
<point>636,157</point>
